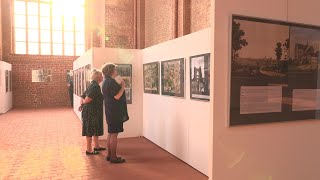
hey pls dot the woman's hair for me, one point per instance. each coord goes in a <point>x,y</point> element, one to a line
<point>108,69</point>
<point>95,73</point>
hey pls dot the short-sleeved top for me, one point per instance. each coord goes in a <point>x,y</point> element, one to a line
<point>92,113</point>
<point>115,110</point>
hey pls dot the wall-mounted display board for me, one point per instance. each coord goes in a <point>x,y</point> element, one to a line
<point>80,81</point>
<point>274,71</point>
<point>88,74</point>
<point>173,77</point>
<point>151,78</point>
<point>125,71</point>
<point>10,81</point>
<point>41,75</point>
<point>75,74</point>
<point>7,80</point>
<point>200,77</point>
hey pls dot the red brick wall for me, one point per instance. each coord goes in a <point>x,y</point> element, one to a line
<point>200,14</point>
<point>26,93</point>
<point>119,24</point>
<point>159,21</point>
<point>163,22</point>
<point>44,94</point>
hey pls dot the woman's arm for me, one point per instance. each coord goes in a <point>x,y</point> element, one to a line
<point>86,100</point>
<point>118,96</point>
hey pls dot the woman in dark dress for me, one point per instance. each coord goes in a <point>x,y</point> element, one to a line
<point>92,113</point>
<point>115,110</point>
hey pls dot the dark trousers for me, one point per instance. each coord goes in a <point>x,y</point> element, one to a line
<point>71,97</point>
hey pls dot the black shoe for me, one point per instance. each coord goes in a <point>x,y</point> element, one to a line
<point>118,160</point>
<point>99,149</point>
<point>108,158</point>
<point>92,153</point>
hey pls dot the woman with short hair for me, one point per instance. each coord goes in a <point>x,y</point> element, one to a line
<point>115,109</point>
<point>92,113</point>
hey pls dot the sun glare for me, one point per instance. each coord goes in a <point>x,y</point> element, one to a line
<point>49,27</point>
<point>68,8</point>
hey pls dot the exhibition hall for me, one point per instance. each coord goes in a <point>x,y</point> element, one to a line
<point>160,89</point>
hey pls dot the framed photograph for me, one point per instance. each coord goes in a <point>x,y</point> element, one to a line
<point>75,82</point>
<point>80,81</point>
<point>151,78</point>
<point>173,77</point>
<point>10,81</point>
<point>88,74</point>
<point>125,71</point>
<point>83,79</point>
<point>200,77</point>
<point>41,75</point>
<point>274,71</point>
<point>7,80</point>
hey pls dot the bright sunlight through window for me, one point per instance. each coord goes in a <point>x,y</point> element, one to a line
<point>49,27</point>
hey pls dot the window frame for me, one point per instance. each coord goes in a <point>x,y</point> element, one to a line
<point>39,29</point>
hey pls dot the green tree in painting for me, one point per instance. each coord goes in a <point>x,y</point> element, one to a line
<point>237,39</point>
<point>278,51</point>
<point>286,47</point>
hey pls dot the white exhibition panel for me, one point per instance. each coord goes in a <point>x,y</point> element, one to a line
<point>133,127</point>
<point>6,97</point>
<point>179,125</point>
<point>99,56</point>
<point>281,151</point>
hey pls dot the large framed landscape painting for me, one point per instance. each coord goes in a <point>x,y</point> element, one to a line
<point>125,71</point>
<point>173,77</point>
<point>151,78</point>
<point>274,71</point>
<point>200,77</point>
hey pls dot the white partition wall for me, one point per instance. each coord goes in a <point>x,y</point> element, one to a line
<point>5,87</point>
<point>96,57</point>
<point>277,151</point>
<point>133,127</point>
<point>179,125</point>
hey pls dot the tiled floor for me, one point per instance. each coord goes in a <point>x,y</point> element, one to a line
<point>47,144</point>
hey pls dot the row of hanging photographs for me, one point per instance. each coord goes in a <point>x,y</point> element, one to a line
<point>8,79</point>
<point>82,79</point>
<point>173,77</point>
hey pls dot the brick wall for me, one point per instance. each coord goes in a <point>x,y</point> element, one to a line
<point>168,19</point>
<point>26,93</point>
<point>42,94</point>
<point>200,15</point>
<point>119,24</point>
<point>159,21</point>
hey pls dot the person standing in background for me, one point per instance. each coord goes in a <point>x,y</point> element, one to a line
<point>70,90</point>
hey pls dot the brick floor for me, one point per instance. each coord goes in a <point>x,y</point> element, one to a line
<point>47,144</point>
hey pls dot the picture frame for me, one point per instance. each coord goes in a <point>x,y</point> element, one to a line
<point>125,71</point>
<point>274,71</point>
<point>151,78</point>
<point>88,74</point>
<point>7,80</point>
<point>10,81</point>
<point>173,78</point>
<point>200,77</point>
